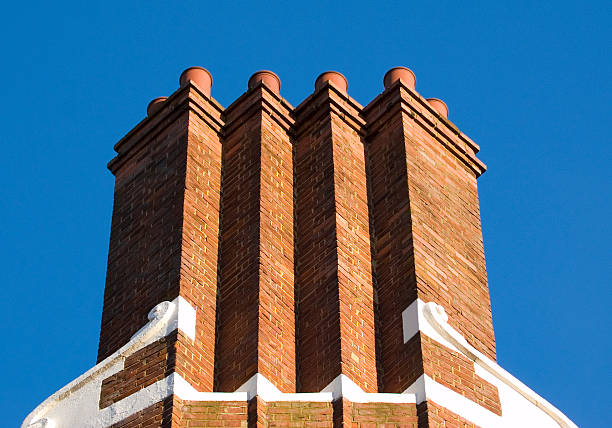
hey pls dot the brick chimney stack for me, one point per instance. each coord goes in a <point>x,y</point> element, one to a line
<point>206,203</point>
<point>321,265</point>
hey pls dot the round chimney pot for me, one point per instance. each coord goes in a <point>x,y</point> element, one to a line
<point>400,73</point>
<point>337,79</point>
<point>439,106</point>
<point>268,77</point>
<point>155,105</point>
<point>198,75</point>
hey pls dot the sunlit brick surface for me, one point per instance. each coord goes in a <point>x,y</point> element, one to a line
<point>299,235</point>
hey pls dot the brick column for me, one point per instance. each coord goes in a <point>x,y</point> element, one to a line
<point>165,228</point>
<point>333,271</point>
<point>428,240</point>
<point>256,297</point>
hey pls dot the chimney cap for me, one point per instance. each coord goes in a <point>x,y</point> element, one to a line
<point>396,73</point>
<point>155,105</point>
<point>268,77</point>
<point>439,106</point>
<point>337,79</point>
<point>200,76</point>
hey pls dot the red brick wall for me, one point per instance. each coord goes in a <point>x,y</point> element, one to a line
<point>393,253</point>
<point>426,215</point>
<point>238,305</point>
<point>276,341</point>
<point>456,372</point>
<point>432,415</point>
<point>348,414</point>
<point>159,415</point>
<point>174,412</point>
<point>423,355</point>
<point>289,414</point>
<point>141,369</point>
<point>210,413</point>
<point>447,236</point>
<point>428,245</point>
<point>355,283</point>
<point>318,326</point>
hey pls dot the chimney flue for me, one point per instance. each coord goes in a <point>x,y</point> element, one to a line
<point>400,73</point>
<point>335,78</point>
<point>198,75</point>
<point>270,79</point>
<point>155,105</point>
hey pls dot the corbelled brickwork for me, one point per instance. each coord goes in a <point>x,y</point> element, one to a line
<point>298,235</point>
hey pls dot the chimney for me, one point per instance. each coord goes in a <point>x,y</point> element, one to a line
<point>321,265</point>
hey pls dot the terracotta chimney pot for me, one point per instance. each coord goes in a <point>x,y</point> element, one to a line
<point>270,79</point>
<point>198,75</point>
<point>337,79</point>
<point>396,73</point>
<point>155,105</point>
<point>439,106</point>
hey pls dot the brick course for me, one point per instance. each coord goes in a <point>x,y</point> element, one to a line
<point>210,413</point>
<point>456,372</point>
<point>375,415</point>
<point>174,412</point>
<point>159,415</point>
<point>141,369</point>
<point>289,414</point>
<point>432,415</point>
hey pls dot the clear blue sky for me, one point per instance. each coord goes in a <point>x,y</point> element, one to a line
<point>528,81</point>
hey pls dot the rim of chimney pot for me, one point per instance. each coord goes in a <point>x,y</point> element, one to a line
<point>396,73</point>
<point>155,105</point>
<point>268,77</point>
<point>336,78</point>
<point>199,75</point>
